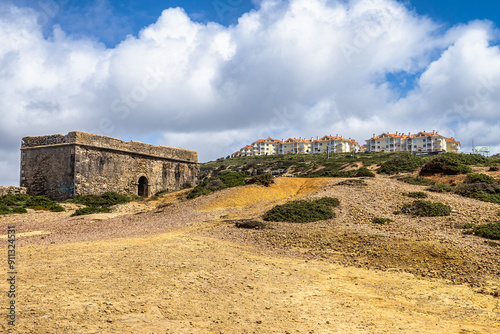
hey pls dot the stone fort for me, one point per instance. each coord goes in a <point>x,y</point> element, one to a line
<point>79,163</point>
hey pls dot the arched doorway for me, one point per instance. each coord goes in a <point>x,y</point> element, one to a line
<point>143,187</point>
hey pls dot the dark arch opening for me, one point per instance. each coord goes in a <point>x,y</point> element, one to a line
<point>143,187</point>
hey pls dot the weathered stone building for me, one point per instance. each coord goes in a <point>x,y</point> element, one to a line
<point>63,166</point>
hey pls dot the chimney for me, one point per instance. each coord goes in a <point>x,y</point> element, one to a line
<point>433,132</point>
<point>373,135</point>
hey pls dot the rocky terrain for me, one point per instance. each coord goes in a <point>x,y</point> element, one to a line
<point>181,266</point>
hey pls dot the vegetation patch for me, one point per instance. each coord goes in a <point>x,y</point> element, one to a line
<point>225,179</point>
<point>90,210</point>
<point>303,211</point>
<point>18,203</point>
<point>265,179</point>
<point>440,188</point>
<point>401,163</point>
<point>452,164</point>
<point>485,192</point>
<point>415,194</point>
<point>352,182</point>
<point>480,178</point>
<point>360,172</point>
<point>381,221</point>
<point>100,204</point>
<point>489,231</point>
<point>250,224</point>
<point>426,209</point>
<point>418,181</point>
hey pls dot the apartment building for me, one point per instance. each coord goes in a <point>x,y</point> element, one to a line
<point>419,142</point>
<point>334,144</point>
<point>267,146</point>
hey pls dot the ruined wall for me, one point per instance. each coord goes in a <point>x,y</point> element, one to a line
<point>63,166</point>
<point>12,190</point>
<point>100,170</point>
<point>48,171</point>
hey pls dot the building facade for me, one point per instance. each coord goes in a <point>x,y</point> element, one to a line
<point>64,166</point>
<point>419,142</point>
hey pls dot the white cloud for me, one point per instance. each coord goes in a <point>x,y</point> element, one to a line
<point>299,68</point>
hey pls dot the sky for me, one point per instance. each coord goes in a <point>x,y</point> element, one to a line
<point>216,75</point>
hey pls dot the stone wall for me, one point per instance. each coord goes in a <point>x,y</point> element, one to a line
<point>48,171</point>
<point>101,170</point>
<point>12,190</point>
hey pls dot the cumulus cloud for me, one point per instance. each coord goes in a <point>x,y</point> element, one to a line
<point>291,68</point>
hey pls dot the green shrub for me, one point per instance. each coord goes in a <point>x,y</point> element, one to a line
<point>19,209</point>
<point>328,201</point>
<point>90,210</point>
<point>440,188</point>
<point>485,192</point>
<point>302,211</point>
<point>418,181</point>
<point>415,194</point>
<point>480,178</point>
<point>225,179</point>
<point>56,208</point>
<point>265,179</point>
<point>255,224</point>
<point>232,179</point>
<point>489,231</point>
<point>39,201</point>
<point>5,210</point>
<point>449,164</point>
<point>381,221</point>
<point>364,172</point>
<point>427,209</point>
<point>401,163</point>
<point>107,199</point>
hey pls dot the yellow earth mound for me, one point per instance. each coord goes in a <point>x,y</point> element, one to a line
<point>284,189</point>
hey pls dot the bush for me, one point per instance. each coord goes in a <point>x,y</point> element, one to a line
<point>302,211</point>
<point>381,221</point>
<point>480,178</point>
<point>329,201</point>
<point>232,179</point>
<point>489,231</point>
<point>401,163</point>
<point>449,164</point>
<point>56,208</point>
<point>214,184</point>
<point>418,181</point>
<point>364,172</point>
<point>427,209</point>
<point>440,188</point>
<point>250,224</point>
<point>107,199</point>
<point>5,210</point>
<point>264,179</point>
<point>485,192</point>
<point>19,209</point>
<point>90,210</point>
<point>39,201</point>
<point>416,194</point>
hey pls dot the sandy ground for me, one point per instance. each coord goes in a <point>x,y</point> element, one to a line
<point>178,266</point>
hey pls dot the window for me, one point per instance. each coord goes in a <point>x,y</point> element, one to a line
<point>320,144</point>
<point>386,141</point>
<point>423,140</point>
<point>414,146</point>
<point>386,146</point>
<point>378,141</point>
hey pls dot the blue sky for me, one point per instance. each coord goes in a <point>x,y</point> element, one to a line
<point>216,75</point>
<point>111,21</point>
